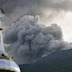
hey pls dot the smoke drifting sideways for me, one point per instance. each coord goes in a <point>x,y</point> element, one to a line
<point>30,41</point>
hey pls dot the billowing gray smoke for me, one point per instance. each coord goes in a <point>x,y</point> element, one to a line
<point>30,41</point>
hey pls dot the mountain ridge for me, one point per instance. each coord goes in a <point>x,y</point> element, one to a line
<point>60,61</point>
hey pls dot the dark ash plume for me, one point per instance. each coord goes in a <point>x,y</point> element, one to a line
<point>29,40</point>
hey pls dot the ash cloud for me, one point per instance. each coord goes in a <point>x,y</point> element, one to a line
<point>30,41</point>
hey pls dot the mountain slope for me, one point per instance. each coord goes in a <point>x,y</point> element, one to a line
<point>60,61</point>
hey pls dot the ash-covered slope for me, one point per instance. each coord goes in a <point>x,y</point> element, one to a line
<point>60,61</point>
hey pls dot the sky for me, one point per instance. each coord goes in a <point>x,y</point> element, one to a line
<point>43,12</point>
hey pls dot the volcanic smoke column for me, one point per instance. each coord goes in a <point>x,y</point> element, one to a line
<point>6,63</point>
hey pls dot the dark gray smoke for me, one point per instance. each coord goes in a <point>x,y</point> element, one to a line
<point>30,41</point>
